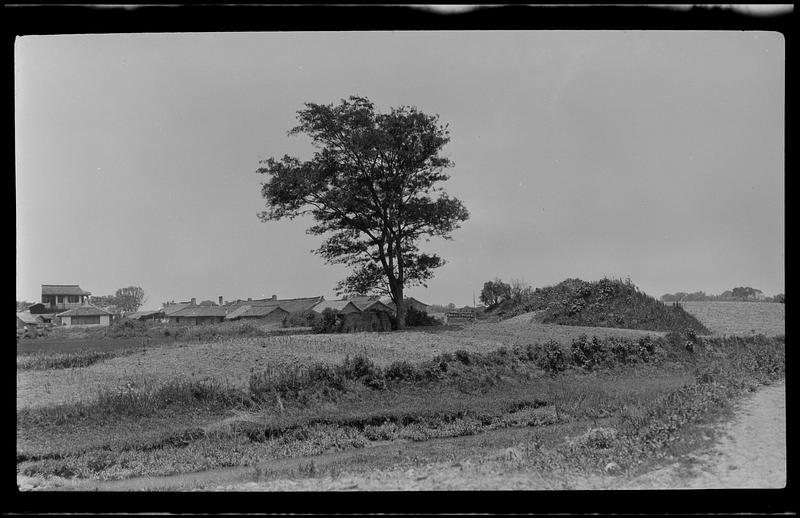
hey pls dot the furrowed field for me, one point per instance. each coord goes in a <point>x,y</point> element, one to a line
<point>740,318</point>
<point>564,399</point>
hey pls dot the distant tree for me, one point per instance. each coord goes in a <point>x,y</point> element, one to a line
<point>103,301</point>
<point>130,299</point>
<point>371,184</point>
<point>519,289</point>
<point>22,305</point>
<point>451,306</point>
<point>495,292</point>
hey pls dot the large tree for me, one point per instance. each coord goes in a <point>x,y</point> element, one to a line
<point>129,299</point>
<point>372,187</point>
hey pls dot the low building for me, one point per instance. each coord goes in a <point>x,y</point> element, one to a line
<point>146,315</point>
<point>86,315</point>
<point>260,314</point>
<point>197,315</point>
<point>342,306</point>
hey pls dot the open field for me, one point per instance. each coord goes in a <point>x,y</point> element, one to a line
<point>740,318</point>
<point>231,361</point>
<point>186,407</point>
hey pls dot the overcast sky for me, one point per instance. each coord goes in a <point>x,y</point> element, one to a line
<point>653,155</point>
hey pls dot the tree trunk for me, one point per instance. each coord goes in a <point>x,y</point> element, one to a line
<point>401,307</point>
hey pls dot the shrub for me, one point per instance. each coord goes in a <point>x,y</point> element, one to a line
<point>548,356</point>
<point>416,318</point>
<point>463,356</point>
<point>330,321</point>
<point>401,370</point>
<point>300,319</point>
<point>126,328</point>
<point>588,354</point>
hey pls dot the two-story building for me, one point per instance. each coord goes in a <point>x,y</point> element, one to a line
<point>61,297</point>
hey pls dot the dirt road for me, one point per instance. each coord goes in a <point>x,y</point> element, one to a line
<point>751,453</point>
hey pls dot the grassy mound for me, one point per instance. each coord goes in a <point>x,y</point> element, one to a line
<point>604,303</point>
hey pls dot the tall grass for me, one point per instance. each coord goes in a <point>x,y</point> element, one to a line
<point>50,361</point>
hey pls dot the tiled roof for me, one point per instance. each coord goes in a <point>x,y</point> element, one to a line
<point>172,308</point>
<point>26,317</point>
<point>289,305</point>
<point>85,310</point>
<point>338,305</point>
<point>262,311</point>
<point>237,312</point>
<point>140,314</point>
<point>375,305</point>
<point>63,289</point>
<point>417,301</point>
<point>200,311</point>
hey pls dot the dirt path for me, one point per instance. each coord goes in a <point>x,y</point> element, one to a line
<point>751,453</point>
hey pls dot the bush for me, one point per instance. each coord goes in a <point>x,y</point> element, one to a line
<point>126,328</point>
<point>588,354</point>
<point>416,318</point>
<point>300,319</point>
<point>401,371</point>
<point>548,356</point>
<point>330,321</point>
<point>463,356</point>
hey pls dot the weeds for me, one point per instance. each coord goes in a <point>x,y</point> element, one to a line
<point>50,361</point>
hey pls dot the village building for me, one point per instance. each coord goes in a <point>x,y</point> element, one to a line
<point>146,315</point>
<point>85,315</point>
<point>262,314</point>
<point>29,325</point>
<point>364,300</point>
<point>60,297</point>
<point>43,312</point>
<point>342,306</point>
<point>197,315</point>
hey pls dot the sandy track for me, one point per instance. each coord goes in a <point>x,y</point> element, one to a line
<point>751,453</point>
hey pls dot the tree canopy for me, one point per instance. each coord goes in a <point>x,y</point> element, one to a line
<point>129,299</point>
<point>372,187</point>
<point>495,292</point>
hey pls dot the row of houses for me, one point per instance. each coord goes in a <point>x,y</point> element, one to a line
<point>69,305</point>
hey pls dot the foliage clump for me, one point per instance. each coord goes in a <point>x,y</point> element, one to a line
<point>604,303</point>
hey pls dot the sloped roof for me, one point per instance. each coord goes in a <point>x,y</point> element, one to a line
<point>86,310</point>
<point>262,311</point>
<point>375,305</point>
<point>417,301</point>
<point>237,312</point>
<point>63,289</point>
<point>289,305</point>
<point>26,317</point>
<point>359,300</point>
<point>200,311</point>
<point>337,305</point>
<point>140,314</point>
<point>172,308</point>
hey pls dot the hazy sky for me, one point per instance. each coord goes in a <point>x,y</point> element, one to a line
<point>654,155</point>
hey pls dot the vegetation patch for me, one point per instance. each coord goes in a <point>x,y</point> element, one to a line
<point>638,399</point>
<point>49,361</point>
<point>605,303</point>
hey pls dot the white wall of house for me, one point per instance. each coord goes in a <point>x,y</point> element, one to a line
<point>105,320</point>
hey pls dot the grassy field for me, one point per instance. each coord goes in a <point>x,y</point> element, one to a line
<point>740,318</point>
<point>231,361</point>
<point>190,406</point>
